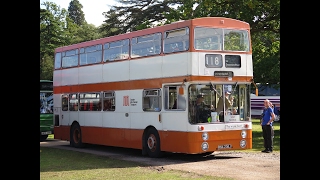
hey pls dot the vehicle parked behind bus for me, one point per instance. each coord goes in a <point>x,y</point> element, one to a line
<point>46,109</point>
<point>270,92</point>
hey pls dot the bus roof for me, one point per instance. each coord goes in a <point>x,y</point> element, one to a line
<point>219,22</point>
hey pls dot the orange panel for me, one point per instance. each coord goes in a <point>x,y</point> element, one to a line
<point>183,142</point>
<point>140,84</point>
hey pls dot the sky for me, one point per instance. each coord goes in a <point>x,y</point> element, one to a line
<point>92,9</point>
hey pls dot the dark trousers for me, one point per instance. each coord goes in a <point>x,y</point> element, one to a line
<point>267,132</point>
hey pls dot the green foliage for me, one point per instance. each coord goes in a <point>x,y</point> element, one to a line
<point>233,42</point>
<point>266,54</point>
<point>47,67</point>
<point>133,15</point>
<point>58,29</point>
<point>263,17</point>
<point>75,12</point>
<point>77,34</point>
<point>257,139</point>
<point>52,23</point>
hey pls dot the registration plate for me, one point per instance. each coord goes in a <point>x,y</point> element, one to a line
<point>224,146</point>
<point>46,133</point>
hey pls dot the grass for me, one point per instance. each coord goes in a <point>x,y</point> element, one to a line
<point>257,139</point>
<point>56,164</point>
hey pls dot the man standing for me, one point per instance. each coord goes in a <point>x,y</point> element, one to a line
<point>266,123</point>
<point>228,104</point>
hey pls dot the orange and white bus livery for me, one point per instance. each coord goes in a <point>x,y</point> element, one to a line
<point>158,89</point>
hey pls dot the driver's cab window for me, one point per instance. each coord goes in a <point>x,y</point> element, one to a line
<point>227,104</point>
<point>217,103</point>
<point>202,102</point>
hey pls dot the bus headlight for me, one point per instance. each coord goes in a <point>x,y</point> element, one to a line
<point>243,133</point>
<point>205,136</point>
<point>243,143</point>
<point>205,146</point>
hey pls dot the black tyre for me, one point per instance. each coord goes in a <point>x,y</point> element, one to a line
<point>152,143</point>
<point>43,137</point>
<point>76,136</point>
<point>207,153</point>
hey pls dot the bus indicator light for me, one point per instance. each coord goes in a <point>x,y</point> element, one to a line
<point>200,128</point>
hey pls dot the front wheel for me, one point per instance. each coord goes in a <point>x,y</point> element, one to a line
<point>76,136</point>
<point>152,143</point>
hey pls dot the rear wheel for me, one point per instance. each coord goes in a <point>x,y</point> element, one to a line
<point>152,143</point>
<point>76,136</point>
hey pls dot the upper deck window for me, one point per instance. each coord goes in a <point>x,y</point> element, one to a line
<point>176,40</point>
<point>208,38</point>
<point>236,40</point>
<point>70,58</point>
<point>91,54</point>
<point>117,50</point>
<point>146,45</point>
<point>221,39</point>
<point>57,61</point>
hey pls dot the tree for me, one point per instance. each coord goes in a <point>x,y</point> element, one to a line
<point>78,34</point>
<point>266,49</point>
<point>133,15</point>
<point>52,23</point>
<point>58,29</point>
<point>263,17</point>
<point>75,12</point>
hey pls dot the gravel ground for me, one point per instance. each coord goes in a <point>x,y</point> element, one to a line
<point>233,164</point>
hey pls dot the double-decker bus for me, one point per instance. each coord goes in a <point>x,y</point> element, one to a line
<point>46,109</point>
<point>267,91</point>
<point>139,89</point>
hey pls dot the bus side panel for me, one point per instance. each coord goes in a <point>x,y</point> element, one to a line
<point>113,137</point>
<point>171,62</point>
<point>69,75</point>
<point>114,72</point>
<point>146,68</point>
<point>89,75</point>
<point>171,141</point>
<point>62,132</point>
<point>57,80</point>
